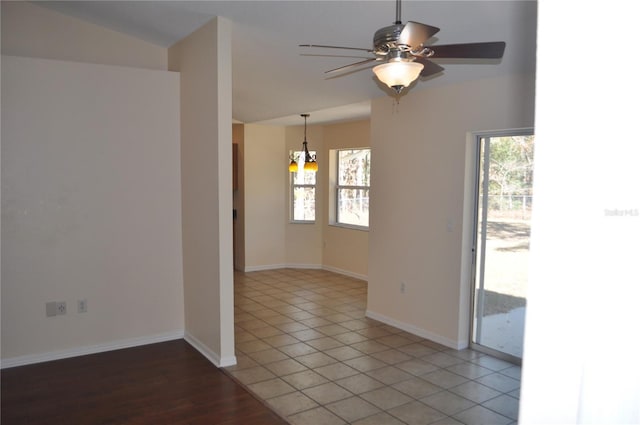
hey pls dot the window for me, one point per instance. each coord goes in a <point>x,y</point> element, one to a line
<point>303,192</point>
<point>352,187</point>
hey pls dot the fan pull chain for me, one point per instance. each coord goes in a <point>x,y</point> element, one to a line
<point>395,106</point>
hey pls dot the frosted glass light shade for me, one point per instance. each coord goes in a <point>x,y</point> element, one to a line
<point>398,73</point>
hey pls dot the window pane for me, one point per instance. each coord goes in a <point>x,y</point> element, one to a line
<point>301,177</point>
<point>353,207</point>
<point>354,166</point>
<point>304,203</point>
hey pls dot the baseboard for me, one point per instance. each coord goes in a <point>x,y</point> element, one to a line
<point>345,272</point>
<point>456,345</point>
<point>305,266</point>
<point>248,269</point>
<point>91,349</point>
<point>281,266</point>
<point>212,356</point>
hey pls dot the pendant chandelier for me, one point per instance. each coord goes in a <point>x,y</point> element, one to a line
<point>310,163</point>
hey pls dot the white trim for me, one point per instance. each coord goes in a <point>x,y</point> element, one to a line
<point>466,319</point>
<point>248,269</point>
<point>91,349</point>
<point>349,226</point>
<point>308,267</point>
<point>346,273</point>
<point>304,266</point>
<point>467,254</point>
<point>457,345</point>
<point>335,187</point>
<point>518,131</point>
<point>212,356</point>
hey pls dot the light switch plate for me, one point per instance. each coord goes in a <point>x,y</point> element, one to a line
<point>51,308</point>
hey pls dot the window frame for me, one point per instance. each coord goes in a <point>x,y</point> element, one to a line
<point>299,155</point>
<point>337,187</point>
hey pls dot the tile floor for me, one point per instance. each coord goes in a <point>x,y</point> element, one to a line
<point>305,347</point>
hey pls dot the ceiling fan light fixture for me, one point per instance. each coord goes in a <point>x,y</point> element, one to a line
<point>403,50</point>
<point>398,74</point>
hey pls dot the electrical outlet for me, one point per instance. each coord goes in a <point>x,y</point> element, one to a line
<point>82,306</point>
<point>61,308</point>
<point>402,287</point>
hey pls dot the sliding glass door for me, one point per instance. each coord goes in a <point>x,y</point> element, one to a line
<point>504,199</point>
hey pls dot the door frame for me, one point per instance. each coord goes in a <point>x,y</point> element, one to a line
<point>470,226</point>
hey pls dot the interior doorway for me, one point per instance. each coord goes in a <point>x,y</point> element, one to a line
<point>504,199</point>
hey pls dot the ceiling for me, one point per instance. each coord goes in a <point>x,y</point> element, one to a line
<point>274,80</point>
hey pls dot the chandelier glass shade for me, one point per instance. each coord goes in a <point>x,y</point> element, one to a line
<point>293,166</point>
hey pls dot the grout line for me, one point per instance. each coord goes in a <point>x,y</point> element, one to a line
<point>285,298</point>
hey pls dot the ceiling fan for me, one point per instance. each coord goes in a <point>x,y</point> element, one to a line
<point>404,53</point>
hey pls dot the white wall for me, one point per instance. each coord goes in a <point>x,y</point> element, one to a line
<point>31,30</point>
<point>344,250</point>
<point>418,189</point>
<point>90,207</point>
<point>204,61</point>
<point>270,239</point>
<point>303,241</point>
<point>265,183</point>
<point>581,339</point>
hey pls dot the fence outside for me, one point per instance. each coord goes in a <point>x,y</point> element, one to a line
<point>510,206</point>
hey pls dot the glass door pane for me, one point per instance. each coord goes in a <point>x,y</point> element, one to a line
<point>504,200</point>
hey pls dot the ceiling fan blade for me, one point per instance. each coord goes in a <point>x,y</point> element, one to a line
<point>490,50</point>
<point>415,34</point>
<point>352,65</point>
<point>327,55</point>
<point>335,47</point>
<point>430,68</point>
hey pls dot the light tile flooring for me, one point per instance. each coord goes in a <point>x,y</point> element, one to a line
<point>305,347</point>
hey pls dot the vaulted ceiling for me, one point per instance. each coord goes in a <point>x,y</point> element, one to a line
<point>274,80</point>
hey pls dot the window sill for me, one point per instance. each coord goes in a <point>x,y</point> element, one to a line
<point>350,227</point>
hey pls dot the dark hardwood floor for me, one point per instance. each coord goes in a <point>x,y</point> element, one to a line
<point>165,383</point>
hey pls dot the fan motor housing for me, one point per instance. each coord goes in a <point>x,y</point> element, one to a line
<point>386,39</point>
